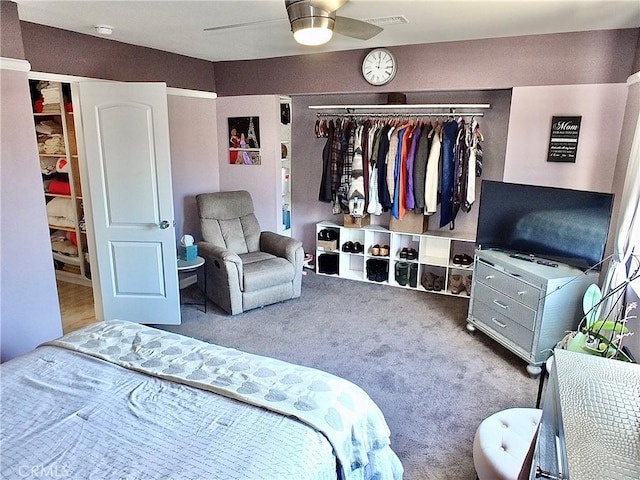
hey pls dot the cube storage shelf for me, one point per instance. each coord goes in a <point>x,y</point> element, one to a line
<point>434,254</point>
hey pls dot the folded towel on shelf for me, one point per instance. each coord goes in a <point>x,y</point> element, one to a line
<point>61,212</point>
<point>49,127</point>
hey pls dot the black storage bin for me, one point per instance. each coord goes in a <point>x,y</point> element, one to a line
<point>328,263</point>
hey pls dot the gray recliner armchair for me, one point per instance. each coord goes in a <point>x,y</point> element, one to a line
<point>245,268</point>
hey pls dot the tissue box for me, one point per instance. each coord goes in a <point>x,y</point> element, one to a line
<point>188,253</point>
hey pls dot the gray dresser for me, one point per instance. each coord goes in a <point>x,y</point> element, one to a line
<point>590,427</point>
<point>525,306</point>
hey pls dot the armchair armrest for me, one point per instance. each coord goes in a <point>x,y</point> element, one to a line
<point>206,249</point>
<point>224,260</point>
<point>280,246</point>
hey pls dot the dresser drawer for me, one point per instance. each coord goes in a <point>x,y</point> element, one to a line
<point>504,305</point>
<point>504,326</point>
<point>509,285</point>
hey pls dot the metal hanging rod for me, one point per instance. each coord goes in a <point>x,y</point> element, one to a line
<point>402,114</point>
<point>449,106</point>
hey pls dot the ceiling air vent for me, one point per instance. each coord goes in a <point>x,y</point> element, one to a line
<point>390,20</point>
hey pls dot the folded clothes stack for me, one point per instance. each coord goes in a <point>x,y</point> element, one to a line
<point>51,98</point>
<point>51,144</point>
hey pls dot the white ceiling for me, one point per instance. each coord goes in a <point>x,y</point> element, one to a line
<point>178,26</point>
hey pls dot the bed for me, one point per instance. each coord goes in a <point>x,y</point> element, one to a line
<point>126,401</point>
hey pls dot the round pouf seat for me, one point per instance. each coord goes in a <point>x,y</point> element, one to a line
<point>502,442</point>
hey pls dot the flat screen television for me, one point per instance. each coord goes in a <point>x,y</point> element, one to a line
<point>556,224</point>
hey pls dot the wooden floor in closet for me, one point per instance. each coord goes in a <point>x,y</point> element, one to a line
<point>76,306</point>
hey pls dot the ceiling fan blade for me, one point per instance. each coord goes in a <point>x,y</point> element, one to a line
<point>246,24</point>
<point>351,27</point>
<point>328,5</point>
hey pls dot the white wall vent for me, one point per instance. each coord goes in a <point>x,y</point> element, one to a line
<point>390,20</point>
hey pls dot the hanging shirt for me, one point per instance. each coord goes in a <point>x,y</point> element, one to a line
<point>383,154</point>
<point>324,195</point>
<point>447,178</point>
<point>420,166</point>
<point>431,178</point>
<point>409,195</point>
<point>391,161</point>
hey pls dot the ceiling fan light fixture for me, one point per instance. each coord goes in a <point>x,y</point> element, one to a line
<point>312,30</point>
<point>310,26</point>
<point>312,36</point>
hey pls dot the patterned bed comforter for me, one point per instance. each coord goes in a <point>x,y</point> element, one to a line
<point>341,411</point>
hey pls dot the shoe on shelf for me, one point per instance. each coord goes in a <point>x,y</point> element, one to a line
<point>456,283</point>
<point>466,260</point>
<point>438,283</point>
<point>403,253</point>
<point>357,247</point>
<point>402,273</point>
<point>427,280</point>
<point>348,247</point>
<point>412,254</point>
<point>375,250</point>
<point>468,282</point>
<point>457,260</point>
<point>413,275</point>
<point>331,234</point>
<point>382,275</point>
<point>384,250</point>
<point>322,234</point>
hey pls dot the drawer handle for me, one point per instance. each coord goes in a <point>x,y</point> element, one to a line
<point>522,292</point>
<point>500,324</point>
<point>501,305</point>
<point>489,277</point>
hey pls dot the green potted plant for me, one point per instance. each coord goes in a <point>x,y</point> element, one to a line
<point>602,332</point>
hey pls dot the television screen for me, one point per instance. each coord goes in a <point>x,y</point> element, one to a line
<point>568,226</point>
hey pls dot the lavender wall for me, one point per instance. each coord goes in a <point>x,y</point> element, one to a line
<point>532,108</point>
<point>262,181</point>
<point>52,50</point>
<point>194,152</point>
<point>29,310</point>
<point>558,59</point>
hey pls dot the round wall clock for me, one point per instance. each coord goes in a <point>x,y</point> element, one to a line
<point>379,66</point>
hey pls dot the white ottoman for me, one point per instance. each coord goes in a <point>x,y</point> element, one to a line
<point>502,442</point>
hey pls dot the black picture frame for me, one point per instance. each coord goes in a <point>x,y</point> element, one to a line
<point>244,140</point>
<point>563,139</point>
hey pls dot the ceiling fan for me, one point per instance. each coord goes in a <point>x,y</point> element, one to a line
<point>313,22</point>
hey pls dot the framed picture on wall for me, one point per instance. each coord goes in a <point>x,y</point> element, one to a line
<point>244,140</point>
<point>563,140</point>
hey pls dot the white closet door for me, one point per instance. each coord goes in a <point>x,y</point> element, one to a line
<point>128,167</point>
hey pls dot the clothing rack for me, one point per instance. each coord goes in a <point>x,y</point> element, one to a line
<point>402,114</point>
<point>402,110</point>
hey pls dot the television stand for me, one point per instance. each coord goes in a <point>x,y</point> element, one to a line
<point>526,306</point>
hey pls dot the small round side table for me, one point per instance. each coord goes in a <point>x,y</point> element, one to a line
<point>186,266</point>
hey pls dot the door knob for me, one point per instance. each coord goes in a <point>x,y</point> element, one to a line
<point>164,224</point>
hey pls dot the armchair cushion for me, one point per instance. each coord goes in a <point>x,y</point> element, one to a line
<point>265,271</point>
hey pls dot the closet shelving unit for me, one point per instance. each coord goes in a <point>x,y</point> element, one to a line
<point>435,250</point>
<point>285,165</point>
<point>69,268</point>
<point>435,254</point>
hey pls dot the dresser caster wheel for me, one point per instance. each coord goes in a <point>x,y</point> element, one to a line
<point>534,371</point>
<point>471,327</point>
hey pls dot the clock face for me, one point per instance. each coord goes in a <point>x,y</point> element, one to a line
<point>379,66</point>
